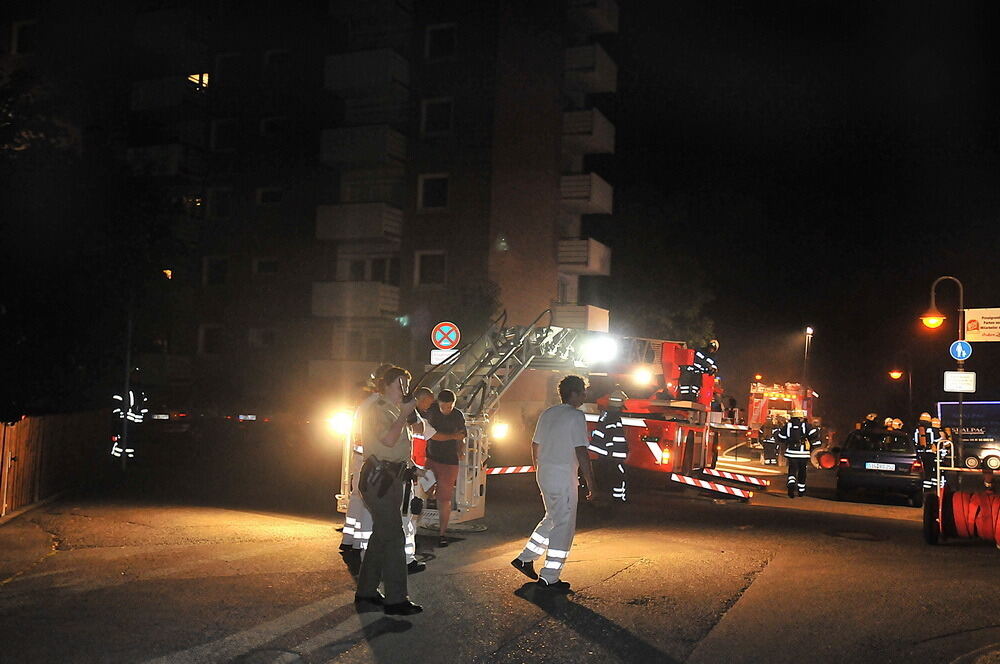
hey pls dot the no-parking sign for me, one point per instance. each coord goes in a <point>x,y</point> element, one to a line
<point>445,335</point>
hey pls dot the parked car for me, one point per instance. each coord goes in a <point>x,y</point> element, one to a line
<point>885,461</point>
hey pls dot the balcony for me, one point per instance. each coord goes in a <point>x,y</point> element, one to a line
<point>588,132</point>
<point>339,372</point>
<point>390,105</point>
<point>580,317</point>
<point>370,146</point>
<point>593,17</point>
<point>586,193</point>
<point>365,299</point>
<point>164,93</point>
<point>365,73</point>
<point>359,221</point>
<point>170,160</point>
<point>589,69</point>
<point>584,256</point>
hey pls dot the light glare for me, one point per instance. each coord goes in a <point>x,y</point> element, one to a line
<point>339,423</point>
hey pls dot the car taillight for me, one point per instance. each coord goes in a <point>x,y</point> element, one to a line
<point>844,461</point>
<point>917,466</point>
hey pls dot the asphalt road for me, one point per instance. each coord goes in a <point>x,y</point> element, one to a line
<point>677,577</point>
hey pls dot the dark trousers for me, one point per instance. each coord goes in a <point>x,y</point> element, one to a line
<point>929,460</point>
<point>385,559</point>
<point>797,475</point>
<point>770,452</point>
<point>611,475</point>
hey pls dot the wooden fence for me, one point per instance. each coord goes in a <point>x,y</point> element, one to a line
<point>44,455</point>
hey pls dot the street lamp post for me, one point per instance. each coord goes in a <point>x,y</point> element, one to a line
<point>933,319</point>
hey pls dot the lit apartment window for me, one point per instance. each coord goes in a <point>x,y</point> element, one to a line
<point>265,266</point>
<point>198,81</point>
<point>225,134</point>
<point>273,126</point>
<point>214,270</point>
<point>261,337</point>
<point>436,116</point>
<point>432,191</point>
<point>430,268</point>
<point>270,195</point>
<point>23,37</point>
<point>220,203</point>
<point>440,41</point>
<point>210,339</point>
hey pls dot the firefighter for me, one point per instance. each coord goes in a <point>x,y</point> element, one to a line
<point>798,437</point>
<point>870,423</point>
<point>770,445</point>
<point>609,443</point>
<point>925,440</point>
<point>704,363</point>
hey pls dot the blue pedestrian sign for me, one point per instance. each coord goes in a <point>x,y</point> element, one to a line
<point>960,350</point>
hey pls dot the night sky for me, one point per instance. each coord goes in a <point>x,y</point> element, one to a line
<point>825,161</point>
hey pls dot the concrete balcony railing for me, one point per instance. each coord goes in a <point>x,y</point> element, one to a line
<point>390,105</point>
<point>368,299</point>
<point>586,193</point>
<point>588,132</point>
<point>170,160</point>
<point>593,17</point>
<point>365,73</point>
<point>580,317</point>
<point>359,221</point>
<point>584,256</point>
<point>590,69</point>
<point>371,146</point>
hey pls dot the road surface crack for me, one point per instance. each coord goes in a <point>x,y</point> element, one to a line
<point>55,544</point>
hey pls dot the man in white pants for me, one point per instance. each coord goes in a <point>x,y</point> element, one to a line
<point>559,452</point>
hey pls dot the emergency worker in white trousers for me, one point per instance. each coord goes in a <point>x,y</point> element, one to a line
<point>559,453</point>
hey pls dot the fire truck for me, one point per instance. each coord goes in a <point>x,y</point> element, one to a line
<point>767,403</point>
<point>677,439</point>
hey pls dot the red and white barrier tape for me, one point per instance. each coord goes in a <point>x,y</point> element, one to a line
<point>509,470</point>
<point>712,486</point>
<point>736,477</point>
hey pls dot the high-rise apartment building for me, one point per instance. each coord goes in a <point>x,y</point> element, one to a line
<point>347,174</point>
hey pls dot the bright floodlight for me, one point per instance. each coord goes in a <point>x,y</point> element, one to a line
<point>642,376</point>
<point>809,330</point>
<point>339,423</point>
<point>599,349</point>
<point>500,430</point>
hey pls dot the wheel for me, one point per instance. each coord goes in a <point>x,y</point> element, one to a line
<point>842,490</point>
<point>971,462</point>
<point>993,462</point>
<point>932,529</point>
<point>916,499</point>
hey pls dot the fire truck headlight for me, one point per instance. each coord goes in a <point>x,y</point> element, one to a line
<point>599,349</point>
<point>642,376</point>
<point>499,430</point>
<point>339,423</point>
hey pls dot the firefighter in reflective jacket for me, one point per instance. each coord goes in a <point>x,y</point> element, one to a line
<point>609,444</point>
<point>704,363</point>
<point>929,440</point>
<point>797,438</point>
<point>770,445</point>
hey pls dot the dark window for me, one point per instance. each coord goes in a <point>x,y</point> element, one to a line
<point>227,69</point>
<point>379,269</point>
<point>266,266</point>
<point>355,345</point>
<point>225,134</point>
<point>270,196</point>
<point>273,126</point>
<point>216,271</point>
<point>25,38</point>
<point>394,271</point>
<point>373,349</point>
<point>357,271</point>
<point>211,341</point>
<point>261,338</point>
<point>433,192</point>
<point>437,116</point>
<point>277,59</point>
<point>431,269</point>
<point>221,204</point>
<point>440,42</point>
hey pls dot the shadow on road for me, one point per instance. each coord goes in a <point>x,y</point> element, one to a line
<point>592,626</point>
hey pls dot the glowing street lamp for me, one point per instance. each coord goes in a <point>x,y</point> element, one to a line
<point>932,318</point>
<point>895,374</point>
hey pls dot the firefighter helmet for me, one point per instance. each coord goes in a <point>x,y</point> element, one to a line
<point>888,423</point>
<point>925,417</point>
<point>617,397</point>
<point>935,422</point>
<point>871,417</point>
<point>897,423</point>
<point>713,346</point>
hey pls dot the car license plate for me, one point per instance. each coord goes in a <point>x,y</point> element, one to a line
<point>880,466</point>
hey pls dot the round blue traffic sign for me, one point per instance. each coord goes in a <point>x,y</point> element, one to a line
<point>960,350</point>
